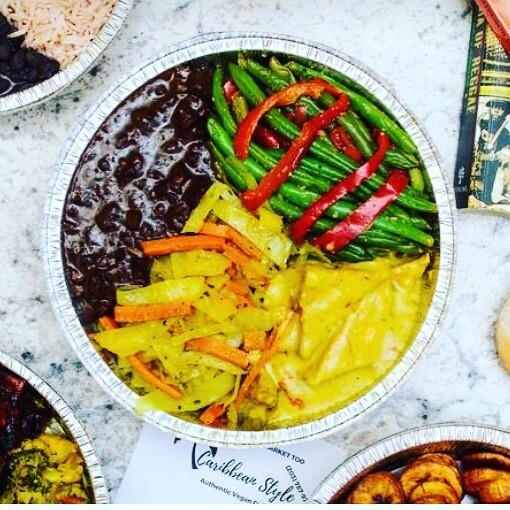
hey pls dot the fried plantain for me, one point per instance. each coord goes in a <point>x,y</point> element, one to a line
<point>441,458</point>
<point>495,491</point>
<point>432,467</point>
<point>474,477</point>
<point>378,488</point>
<point>486,460</point>
<point>436,489</point>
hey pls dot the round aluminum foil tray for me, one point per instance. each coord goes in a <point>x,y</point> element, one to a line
<point>401,449</point>
<point>98,487</point>
<point>54,85</point>
<point>66,166</point>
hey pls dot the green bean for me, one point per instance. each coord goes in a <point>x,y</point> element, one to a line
<point>351,253</point>
<point>342,164</point>
<point>230,173</point>
<point>417,181</point>
<point>283,72</point>
<point>356,129</point>
<point>364,107</point>
<point>319,170</point>
<point>339,211</point>
<point>292,213</point>
<point>269,158</point>
<point>345,80</point>
<point>240,108</point>
<point>304,197</point>
<point>221,103</point>
<point>299,177</point>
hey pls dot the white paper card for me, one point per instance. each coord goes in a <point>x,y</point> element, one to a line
<point>165,469</point>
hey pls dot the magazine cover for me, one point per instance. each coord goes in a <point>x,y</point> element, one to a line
<point>482,177</point>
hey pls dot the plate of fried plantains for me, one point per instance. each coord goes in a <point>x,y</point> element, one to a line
<point>441,464</point>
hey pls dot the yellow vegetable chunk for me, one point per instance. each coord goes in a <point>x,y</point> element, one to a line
<point>198,263</point>
<point>248,319</point>
<point>202,210</point>
<point>162,269</point>
<point>275,246</point>
<point>270,220</point>
<point>316,400</point>
<point>378,327</point>
<point>328,297</point>
<point>283,290</point>
<point>218,306</point>
<point>187,289</point>
<point>130,339</point>
<point>198,393</point>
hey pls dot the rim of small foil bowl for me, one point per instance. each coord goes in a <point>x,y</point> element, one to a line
<point>54,268</point>
<point>52,86</point>
<point>399,443</point>
<point>71,421</point>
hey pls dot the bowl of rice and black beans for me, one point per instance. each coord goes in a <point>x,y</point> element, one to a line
<point>46,45</point>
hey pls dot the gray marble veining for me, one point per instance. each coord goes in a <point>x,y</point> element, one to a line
<point>420,48</point>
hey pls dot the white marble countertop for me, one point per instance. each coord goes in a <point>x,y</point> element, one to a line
<point>418,47</point>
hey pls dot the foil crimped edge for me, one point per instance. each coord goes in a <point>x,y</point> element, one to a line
<point>49,88</point>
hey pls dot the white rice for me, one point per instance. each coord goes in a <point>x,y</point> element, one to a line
<point>60,29</point>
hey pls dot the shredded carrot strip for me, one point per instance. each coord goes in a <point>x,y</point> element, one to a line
<point>153,312</point>
<point>142,369</point>
<point>237,287</point>
<point>154,380</point>
<point>250,267</point>
<point>220,350</point>
<point>254,340</point>
<point>212,413</point>
<point>267,355</point>
<point>227,232</point>
<point>243,301</point>
<point>182,243</point>
<point>107,323</point>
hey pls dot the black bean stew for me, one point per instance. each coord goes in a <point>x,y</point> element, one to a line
<point>143,172</point>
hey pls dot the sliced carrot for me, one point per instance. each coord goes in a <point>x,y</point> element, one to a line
<point>237,287</point>
<point>267,355</point>
<point>243,301</point>
<point>153,312</point>
<point>142,369</point>
<point>220,350</point>
<point>153,379</point>
<point>182,243</point>
<point>107,323</point>
<point>214,229</point>
<point>251,268</point>
<point>212,413</point>
<point>254,340</point>
<point>227,232</point>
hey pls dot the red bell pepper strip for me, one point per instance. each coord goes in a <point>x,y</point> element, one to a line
<point>289,95</point>
<point>363,217</point>
<point>301,227</point>
<point>253,199</point>
<point>343,142</point>
<point>229,90</point>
